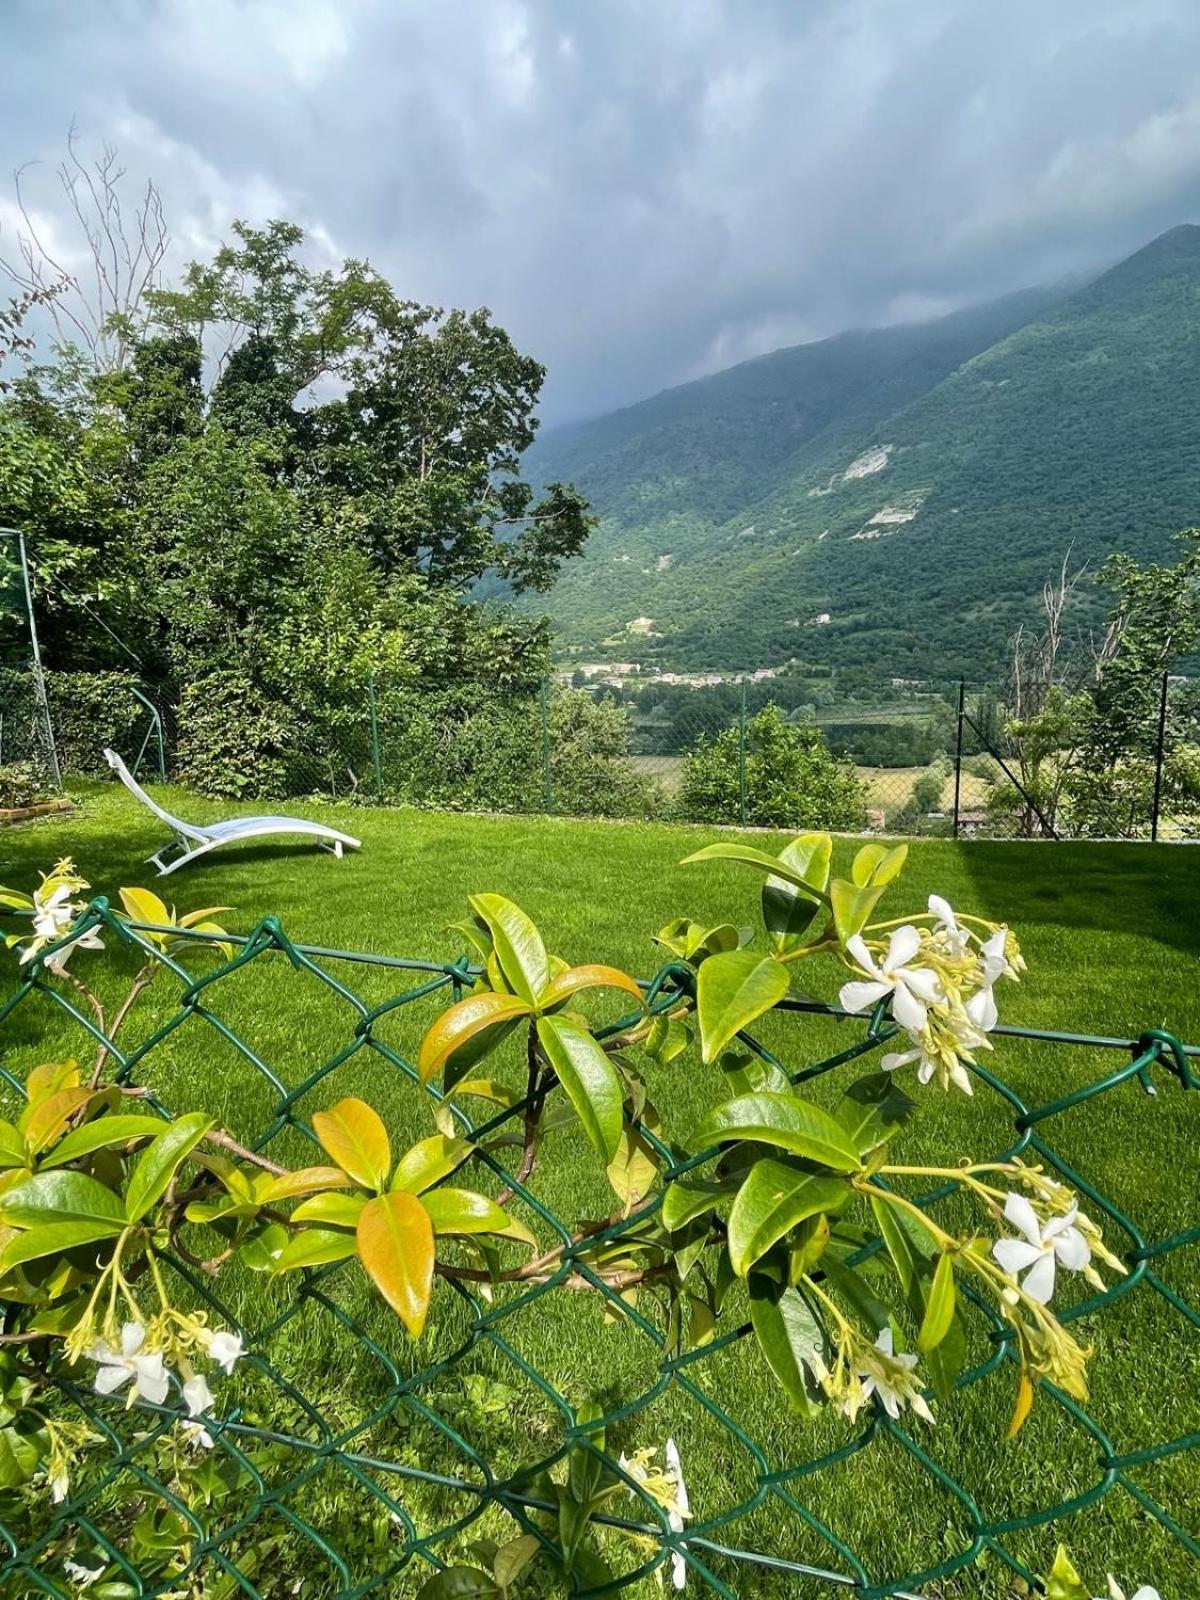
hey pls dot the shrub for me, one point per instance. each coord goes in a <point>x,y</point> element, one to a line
<point>233,741</point>
<point>791,779</point>
<point>22,783</point>
<point>88,710</point>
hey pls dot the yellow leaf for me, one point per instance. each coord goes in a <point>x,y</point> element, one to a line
<point>565,984</point>
<point>1023,1408</point>
<point>50,1078</point>
<point>354,1135</point>
<point>143,905</point>
<point>458,1026</point>
<point>44,1121</point>
<point>395,1245</point>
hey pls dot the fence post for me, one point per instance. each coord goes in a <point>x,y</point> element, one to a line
<point>742,756</point>
<point>1159,743</point>
<point>376,759</point>
<point>962,697</point>
<point>547,773</point>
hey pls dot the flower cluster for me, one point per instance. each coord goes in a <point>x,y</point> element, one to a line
<point>940,982</point>
<point>139,1359</point>
<point>54,909</point>
<point>665,1486</point>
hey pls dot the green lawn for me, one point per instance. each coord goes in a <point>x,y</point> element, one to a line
<point>1110,936</point>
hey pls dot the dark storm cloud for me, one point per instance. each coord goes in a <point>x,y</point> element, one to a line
<point>642,190</point>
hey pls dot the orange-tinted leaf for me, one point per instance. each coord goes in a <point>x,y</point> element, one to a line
<point>354,1135</point>
<point>395,1245</point>
<point>50,1078</point>
<point>44,1120</point>
<point>592,977</point>
<point>463,1023</point>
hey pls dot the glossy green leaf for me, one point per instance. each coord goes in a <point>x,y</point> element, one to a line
<point>331,1209</point>
<point>771,1202</point>
<point>877,864</point>
<point>633,1169</point>
<point>789,913</point>
<point>12,1146</point>
<point>732,990</point>
<point>687,1198</point>
<point>873,1109</point>
<point>939,1307</point>
<point>589,1078</point>
<point>314,1247</point>
<point>750,857</point>
<point>160,1161</point>
<point>463,1211</point>
<point>429,1161</point>
<point>51,1197</point>
<point>852,906</point>
<point>788,1335</point>
<point>512,1558</point>
<point>518,945</point>
<point>102,1134</point>
<point>783,1120</point>
<point>54,1238</point>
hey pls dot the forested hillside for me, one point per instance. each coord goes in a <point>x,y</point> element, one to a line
<point>893,498</point>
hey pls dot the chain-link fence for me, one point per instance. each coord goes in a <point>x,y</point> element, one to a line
<point>349,1461</point>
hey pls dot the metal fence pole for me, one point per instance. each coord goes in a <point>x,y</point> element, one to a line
<point>376,760</point>
<point>1159,745</point>
<point>547,772</point>
<point>742,756</point>
<point>962,695</point>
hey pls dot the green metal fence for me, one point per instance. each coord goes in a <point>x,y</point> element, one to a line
<point>355,1462</point>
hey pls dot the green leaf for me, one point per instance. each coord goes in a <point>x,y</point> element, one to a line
<point>512,1558</point>
<point>467,1031</point>
<point>160,1161</point>
<point>746,1073</point>
<point>1063,1582</point>
<point>261,1250</point>
<point>465,1212</point>
<point>852,906</point>
<point>12,1146</point>
<point>633,1169</point>
<point>788,1335</point>
<point>20,1455</point>
<point>687,1198</point>
<point>873,1109</point>
<point>732,989</point>
<point>776,865</point>
<point>589,1078</point>
<point>771,1202</point>
<point>331,1209</point>
<point>518,944</point>
<point>877,864</point>
<point>460,1583</point>
<point>313,1247</point>
<point>668,1038</point>
<point>789,913</point>
<point>576,979</point>
<point>102,1134</point>
<point>52,1239</point>
<point>900,1249</point>
<point>52,1197</point>
<point>428,1161</point>
<point>783,1120</point>
<point>939,1308</point>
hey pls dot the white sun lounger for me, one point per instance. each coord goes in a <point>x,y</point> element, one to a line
<point>192,839</point>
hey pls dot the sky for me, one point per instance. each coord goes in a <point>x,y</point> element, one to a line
<point>642,191</point>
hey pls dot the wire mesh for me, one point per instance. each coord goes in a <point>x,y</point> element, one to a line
<point>353,1461</point>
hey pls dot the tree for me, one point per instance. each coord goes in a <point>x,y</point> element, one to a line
<point>791,780</point>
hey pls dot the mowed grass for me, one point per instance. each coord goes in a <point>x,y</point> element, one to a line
<point>1111,941</point>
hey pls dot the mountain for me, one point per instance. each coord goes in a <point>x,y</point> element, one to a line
<point>891,499</point>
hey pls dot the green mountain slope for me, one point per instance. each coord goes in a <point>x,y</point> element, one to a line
<point>914,485</point>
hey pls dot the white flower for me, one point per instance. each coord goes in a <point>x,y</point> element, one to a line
<point>225,1349</point>
<point>1115,1592</point>
<point>60,1484</point>
<point>197,1396</point>
<point>891,1378</point>
<point>948,924</point>
<point>1043,1245</point>
<point>53,915</point>
<point>682,1509</point>
<point>149,1373</point>
<point>912,989</point>
<point>196,1433</point>
<point>83,1577</point>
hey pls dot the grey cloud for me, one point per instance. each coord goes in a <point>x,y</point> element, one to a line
<point>643,189</point>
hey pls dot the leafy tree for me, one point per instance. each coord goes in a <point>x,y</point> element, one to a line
<point>791,780</point>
